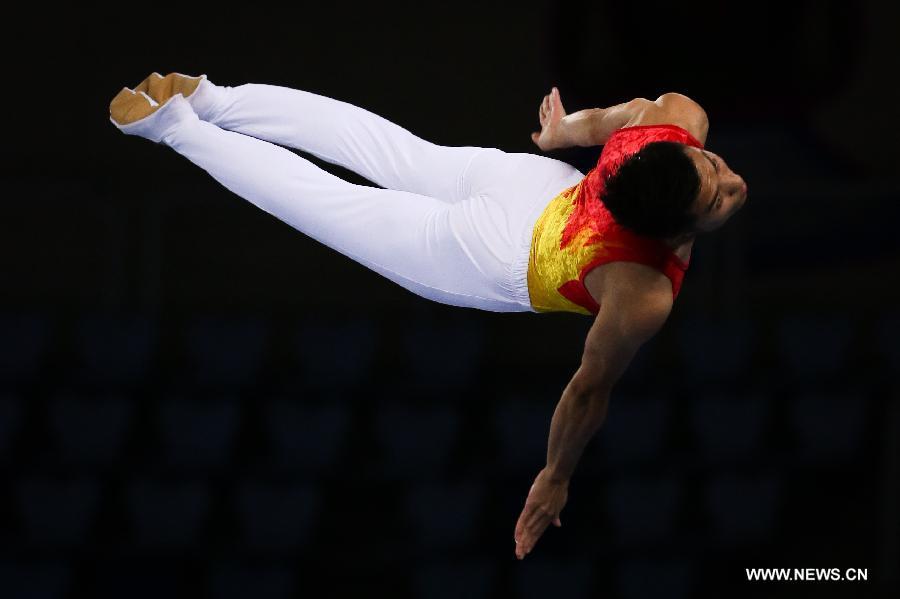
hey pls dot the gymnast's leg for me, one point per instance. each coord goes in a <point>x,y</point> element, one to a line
<point>339,133</point>
<point>420,243</point>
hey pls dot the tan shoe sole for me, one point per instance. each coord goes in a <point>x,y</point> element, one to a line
<point>130,105</point>
<point>162,88</point>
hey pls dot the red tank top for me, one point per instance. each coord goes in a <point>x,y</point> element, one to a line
<point>576,233</point>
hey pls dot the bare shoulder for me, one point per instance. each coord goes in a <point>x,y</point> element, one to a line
<point>673,108</point>
<point>632,287</point>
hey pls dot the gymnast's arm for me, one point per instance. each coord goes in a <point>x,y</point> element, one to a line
<point>593,126</point>
<point>629,316</point>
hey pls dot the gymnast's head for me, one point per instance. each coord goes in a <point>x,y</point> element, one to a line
<point>673,191</point>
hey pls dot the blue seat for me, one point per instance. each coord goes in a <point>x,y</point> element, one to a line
<point>672,578</point>
<point>644,508</point>
<point>444,515</point>
<point>415,440</point>
<point>714,350</point>
<point>24,338</point>
<point>168,515</point>
<point>829,429</point>
<point>277,518</point>
<point>888,333</point>
<point>115,349</point>
<point>136,578</point>
<point>814,348</point>
<point>633,433</point>
<point>743,508</point>
<point>473,577</point>
<point>90,432</point>
<point>306,437</point>
<point>550,576</point>
<point>730,428</point>
<point>225,351</point>
<point>239,581</point>
<point>198,434</point>
<point>10,423</point>
<point>336,352</point>
<point>57,513</point>
<point>523,427</point>
<point>35,580</point>
<point>442,354</point>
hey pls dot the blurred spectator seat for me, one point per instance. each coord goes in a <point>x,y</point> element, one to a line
<point>730,428</point>
<point>90,431</point>
<point>443,354</point>
<point>829,428</point>
<point>644,508</point>
<point>198,434</point>
<point>306,437</point>
<point>115,349</point>
<point>815,348</point>
<point>548,576</point>
<point>645,578</point>
<point>168,515</point>
<point>277,518</point>
<point>336,353</point>
<point>226,351</point>
<point>888,331</point>
<point>743,508</point>
<point>57,513</point>
<point>634,432</point>
<point>522,423</point>
<point>11,418</point>
<point>415,441</point>
<point>471,577</point>
<point>24,340</point>
<point>239,581</point>
<point>35,580</point>
<point>445,515</point>
<point>715,350</point>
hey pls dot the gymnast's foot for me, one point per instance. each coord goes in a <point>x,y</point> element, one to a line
<point>155,106</point>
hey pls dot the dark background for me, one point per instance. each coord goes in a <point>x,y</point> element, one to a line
<point>196,400</point>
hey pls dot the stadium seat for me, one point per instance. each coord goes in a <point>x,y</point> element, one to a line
<point>89,431</point>
<point>644,508</point>
<point>198,434</point>
<point>57,513</point>
<point>814,348</point>
<point>633,433</point>
<point>306,437</point>
<point>443,354</point>
<point>240,581</point>
<point>415,440</point>
<point>168,515</point>
<point>551,576</point>
<point>730,428</point>
<point>743,508</point>
<point>444,515</point>
<point>642,578</point>
<point>277,518</point>
<point>11,419</point>
<point>336,353</point>
<point>115,349</point>
<point>714,350</point>
<point>473,577</point>
<point>35,580</point>
<point>523,427</point>
<point>24,339</point>
<point>829,428</point>
<point>225,351</point>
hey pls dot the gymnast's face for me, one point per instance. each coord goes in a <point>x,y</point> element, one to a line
<point>722,191</point>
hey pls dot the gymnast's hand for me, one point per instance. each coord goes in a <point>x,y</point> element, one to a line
<point>544,503</point>
<point>550,115</point>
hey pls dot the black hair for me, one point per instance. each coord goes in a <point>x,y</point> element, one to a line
<point>654,190</point>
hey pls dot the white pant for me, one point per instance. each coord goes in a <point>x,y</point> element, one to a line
<point>453,224</point>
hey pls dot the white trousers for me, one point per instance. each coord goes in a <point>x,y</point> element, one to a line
<point>451,224</point>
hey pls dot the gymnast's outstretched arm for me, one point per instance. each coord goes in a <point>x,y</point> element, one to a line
<point>593,126</point>
<point>629,316</point>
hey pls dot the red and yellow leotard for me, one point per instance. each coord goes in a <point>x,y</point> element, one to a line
<point>576,233</point>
